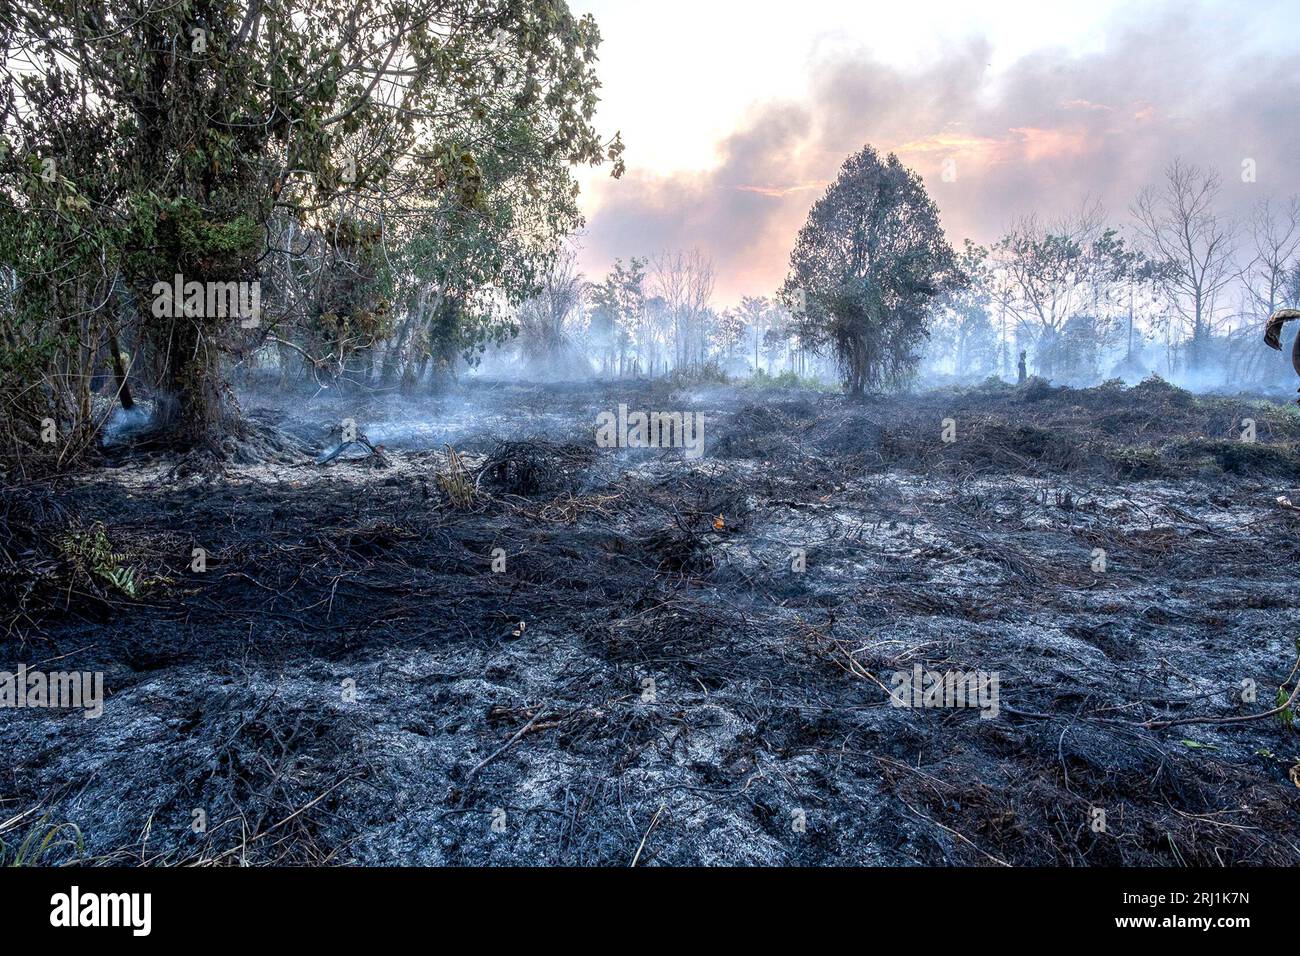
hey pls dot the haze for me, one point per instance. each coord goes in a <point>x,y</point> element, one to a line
<point>737,115</point>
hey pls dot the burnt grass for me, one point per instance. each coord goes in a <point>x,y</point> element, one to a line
<point>350,682</point>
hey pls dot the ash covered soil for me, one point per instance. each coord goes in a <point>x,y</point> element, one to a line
<point>350,681</point>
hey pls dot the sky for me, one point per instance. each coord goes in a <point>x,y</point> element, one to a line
<point>737,114</point>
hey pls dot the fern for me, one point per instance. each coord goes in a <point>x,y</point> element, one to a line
<point>93,553</point>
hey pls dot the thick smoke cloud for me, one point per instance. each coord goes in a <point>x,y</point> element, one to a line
<point>1041,136</point>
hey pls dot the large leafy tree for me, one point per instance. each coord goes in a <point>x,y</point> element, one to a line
<point>215,120</point>
<point>866,267</point>
<point>472,255</point>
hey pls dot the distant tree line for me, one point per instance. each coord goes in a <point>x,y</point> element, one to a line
<point>875,290</point>
<point>1179,288</point>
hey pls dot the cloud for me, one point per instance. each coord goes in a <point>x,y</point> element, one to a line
<point>1041,135</point>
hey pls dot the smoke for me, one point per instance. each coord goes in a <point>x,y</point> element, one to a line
<point>1039,136</point>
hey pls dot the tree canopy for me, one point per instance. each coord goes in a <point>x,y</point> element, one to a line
<point>276,141</point>
<point>866,266</point>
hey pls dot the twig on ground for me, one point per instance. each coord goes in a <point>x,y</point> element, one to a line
<point>647,836</point>
<point>469,777</point>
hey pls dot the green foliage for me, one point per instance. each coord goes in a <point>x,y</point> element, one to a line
<point>191,135</point>
<point>787,379</point>
<point>865,269</point>
<point>91,553</point>
<point>176,233</point>
<point>1287,714</point>
<point>42,838</point>
<point>55,267</point>
<point>701,373</point>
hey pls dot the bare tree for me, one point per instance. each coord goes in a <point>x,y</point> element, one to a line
<point>542,317</point>
<point>684,280</point>
<point>1275,244</point>
<point>1194,244</point>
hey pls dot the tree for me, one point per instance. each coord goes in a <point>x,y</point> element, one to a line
<point>62,304</point>
<point>756,313</point>
<point>543,340</point>
<point>1137,283</point>
<point>865,269</point>
<point>729,334</point>
<point>618,305</point>
<point>216,119</point>
<point>1193,244</point>
<point>684,280</point>
<point>1275,245</point>
<point>970,334</point>
<point>775,342</point>
<point>1045,272</point>
<point>1065,283</point>
<point>603,325</point>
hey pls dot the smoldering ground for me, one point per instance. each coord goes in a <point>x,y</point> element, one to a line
<point>648,677</point>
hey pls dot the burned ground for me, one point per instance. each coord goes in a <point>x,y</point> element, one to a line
<point>649,677</point>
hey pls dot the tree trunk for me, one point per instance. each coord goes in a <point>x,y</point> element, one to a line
<point>123,387</point>
<point>194,404</point>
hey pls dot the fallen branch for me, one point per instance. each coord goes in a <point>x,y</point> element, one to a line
<point>647,836</point>
<point>1280,708</point>
<point>376,450</point>
<point>493,756</point>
